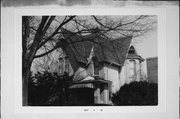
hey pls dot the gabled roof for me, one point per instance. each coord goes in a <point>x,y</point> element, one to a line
<point>106,50</point>
<point>132,54</point>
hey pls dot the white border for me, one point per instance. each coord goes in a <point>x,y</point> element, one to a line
<point>161,13</point>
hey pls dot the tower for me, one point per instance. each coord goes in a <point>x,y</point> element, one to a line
<point>134,62</point>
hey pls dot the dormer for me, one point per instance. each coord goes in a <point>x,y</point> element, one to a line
<point>132,54</point>
<point>132,50</point>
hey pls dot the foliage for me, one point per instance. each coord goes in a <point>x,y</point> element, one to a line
<point>136,93</point>
<point>48,89</point>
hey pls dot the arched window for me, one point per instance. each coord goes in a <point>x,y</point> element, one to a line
<point>132,50</point>
<point>132,68</point>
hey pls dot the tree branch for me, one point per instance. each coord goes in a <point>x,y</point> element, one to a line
<point>100,23</point>
<point>142,16</point>
<point>46,53</point>
<point>56,31</point>
<point>48,24</point>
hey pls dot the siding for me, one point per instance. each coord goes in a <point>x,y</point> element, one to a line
<point>152,69</point>
<point>123,75</point>
<point>112,74</point>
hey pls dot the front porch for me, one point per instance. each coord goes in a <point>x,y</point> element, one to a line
<point>91,92</point>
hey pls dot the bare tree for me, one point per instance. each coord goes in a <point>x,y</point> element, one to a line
<point>43,35</point>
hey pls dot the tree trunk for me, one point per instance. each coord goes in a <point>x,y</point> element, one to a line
<point>25,77</point>
<point>25,74</point>
<point>27,62</point>
<point>29,53</point>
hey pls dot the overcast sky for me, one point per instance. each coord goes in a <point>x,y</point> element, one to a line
<point>148,46</point>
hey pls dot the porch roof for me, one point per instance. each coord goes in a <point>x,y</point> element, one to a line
<point>90,83</point>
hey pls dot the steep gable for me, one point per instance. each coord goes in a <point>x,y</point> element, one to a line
<point>108,50</point>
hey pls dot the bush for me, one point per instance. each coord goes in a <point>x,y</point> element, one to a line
<point>136,93</point>
<point>48,89</point>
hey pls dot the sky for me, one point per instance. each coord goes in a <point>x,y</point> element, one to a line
<point>147,46</point>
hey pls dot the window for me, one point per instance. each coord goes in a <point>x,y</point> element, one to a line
<point>132,68</point>
<point>96,66</point>
<point>132,50</point>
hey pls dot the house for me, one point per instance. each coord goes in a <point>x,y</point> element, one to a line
<point>152,69</point>
<point>114,63</point>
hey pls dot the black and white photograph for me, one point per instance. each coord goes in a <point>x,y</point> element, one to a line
<point>100,62</point>
<point>90,60</point>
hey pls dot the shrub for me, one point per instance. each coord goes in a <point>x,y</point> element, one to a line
<point>136,93</point>
<point>48,89</point>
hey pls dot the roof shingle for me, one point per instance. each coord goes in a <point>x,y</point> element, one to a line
<point>110,50</point>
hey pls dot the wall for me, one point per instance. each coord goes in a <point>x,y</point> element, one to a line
<point>111,73</point>
<point>152,69</point>
<point>117,76</point>
<point>125,76</point>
